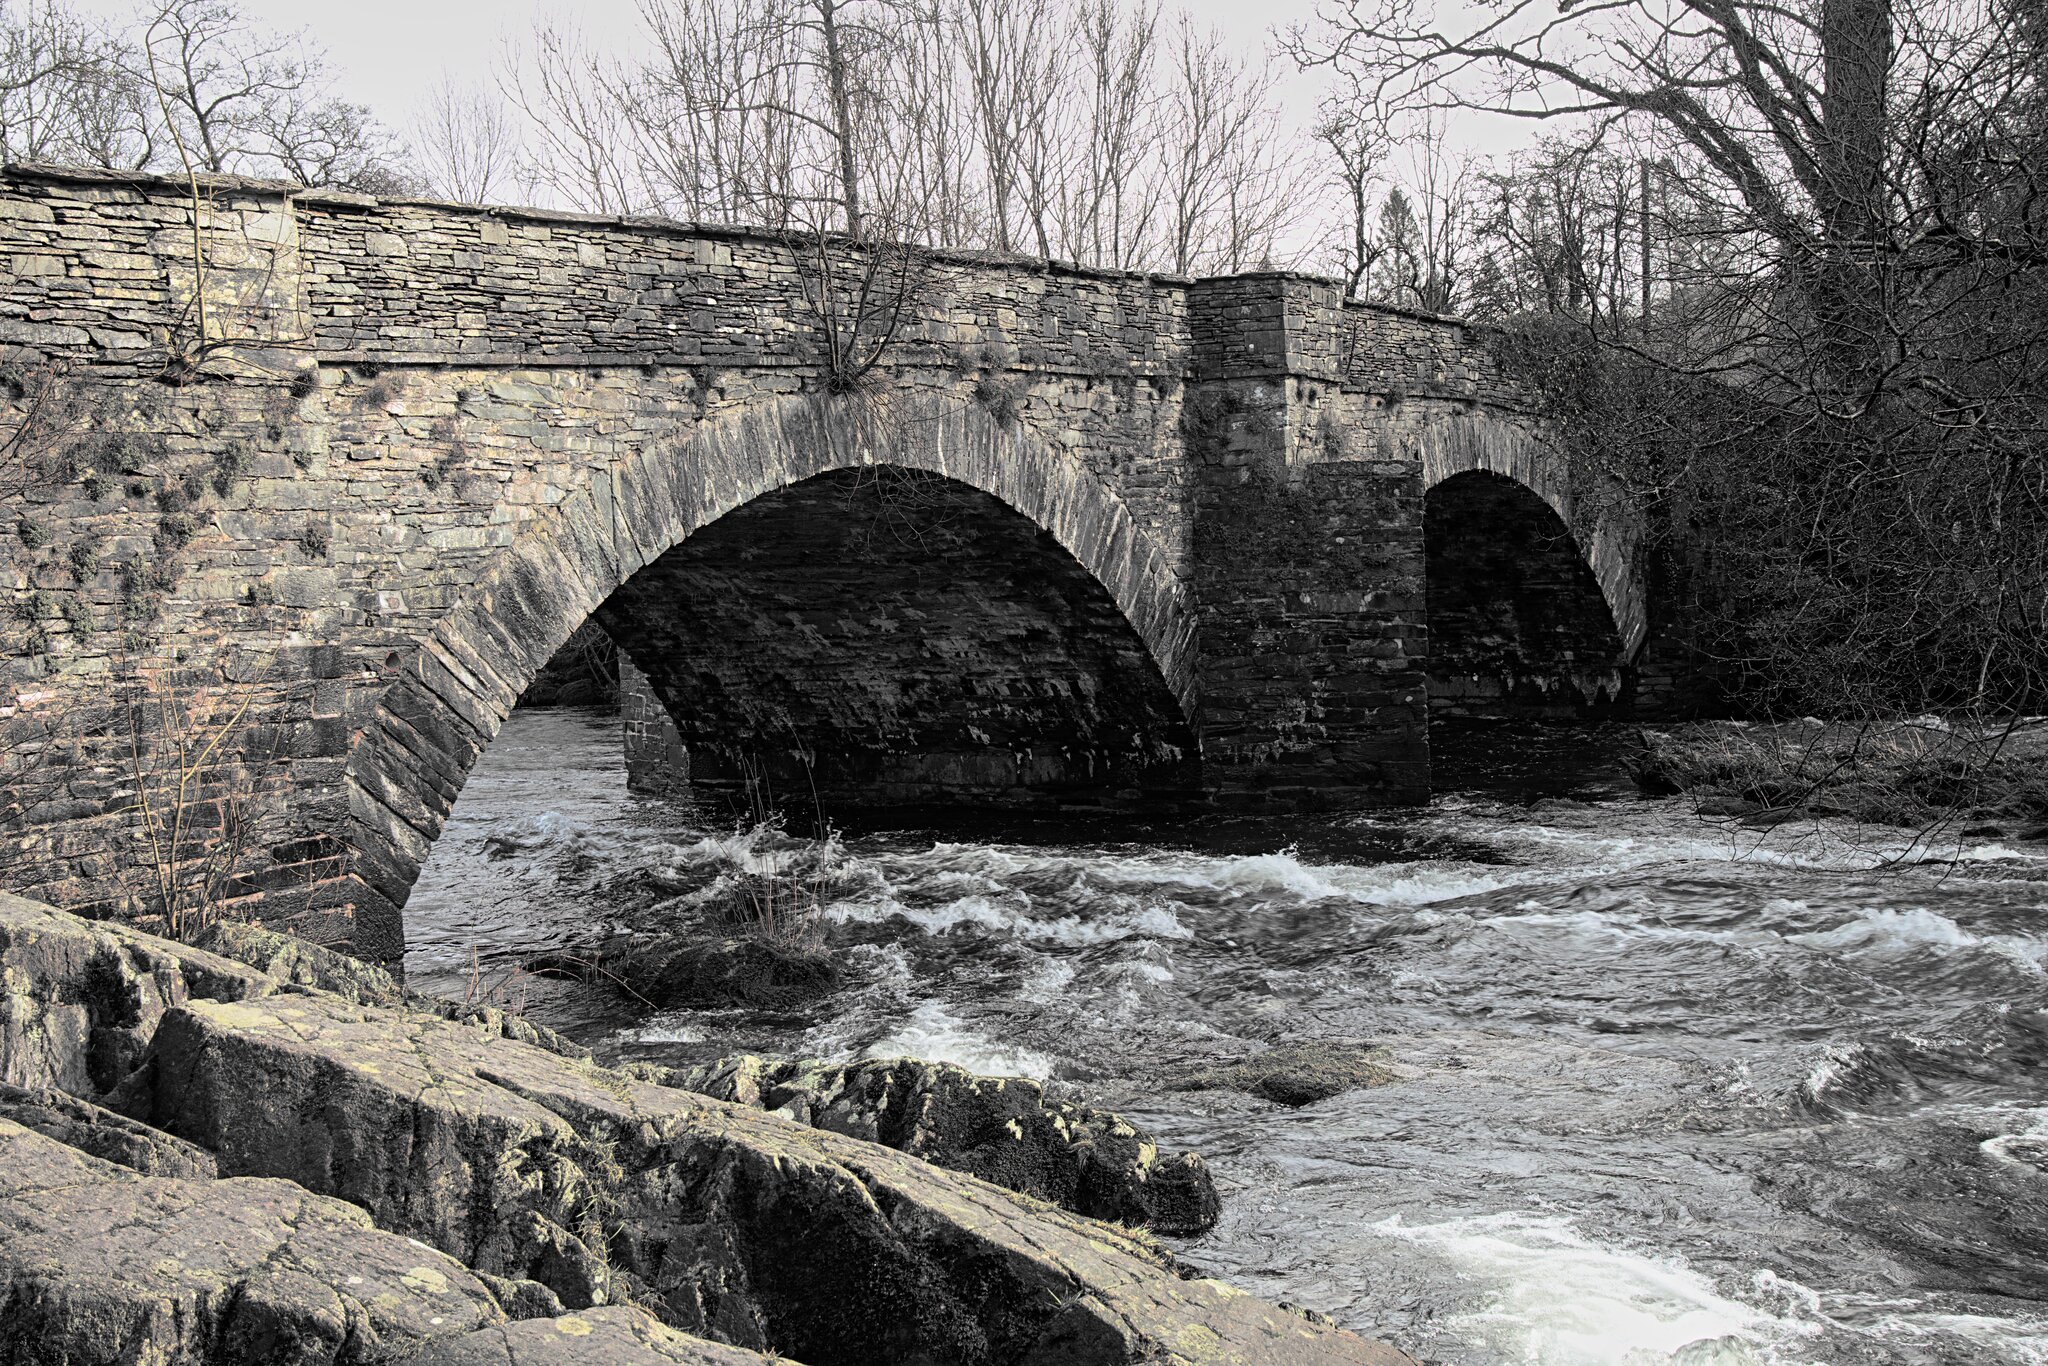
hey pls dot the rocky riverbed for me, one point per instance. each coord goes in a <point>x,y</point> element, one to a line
<point>271,1155</point>
<point>1545,1072</point>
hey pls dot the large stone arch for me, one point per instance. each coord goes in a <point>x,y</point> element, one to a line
<point>447,700</point>
<point>1482,441</point>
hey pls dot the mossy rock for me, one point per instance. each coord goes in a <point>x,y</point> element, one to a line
<point>1002,1129</point>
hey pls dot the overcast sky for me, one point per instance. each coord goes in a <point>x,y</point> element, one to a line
<point>388,53</point>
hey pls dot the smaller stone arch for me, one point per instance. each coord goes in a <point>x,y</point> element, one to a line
<point>1484,441</point>
<point>447,700</point>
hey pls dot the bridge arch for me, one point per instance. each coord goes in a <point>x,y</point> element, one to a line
<point>447,699</point>
<point>1482,441</point>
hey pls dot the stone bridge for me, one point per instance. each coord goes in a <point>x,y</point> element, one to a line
<point>898,526</point>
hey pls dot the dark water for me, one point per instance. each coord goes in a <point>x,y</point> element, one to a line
<point>1669,1093</point>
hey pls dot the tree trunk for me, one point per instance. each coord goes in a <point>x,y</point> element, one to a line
<point>1851,293</point>
<point>842,112</point>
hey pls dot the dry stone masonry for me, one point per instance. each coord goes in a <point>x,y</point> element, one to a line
<point>1077,537</point>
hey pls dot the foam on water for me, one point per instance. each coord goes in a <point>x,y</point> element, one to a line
<point>1284,875</point>
<point>1890,932</point>
<point>933,1033</point>
<point>1544,1293</point>
<point>1013,916</point>
<point>1619,835</point>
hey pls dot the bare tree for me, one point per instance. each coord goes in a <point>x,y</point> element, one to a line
<point>1222,188</point>
<point>334,142</point>
<point>467,143</point>
<point>580,136</point>
<point>1357,150</point>
<point>234,99</point>
<point>1845,397</point>
<point>1014,74</point>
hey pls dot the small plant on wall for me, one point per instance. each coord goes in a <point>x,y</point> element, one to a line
<point>859,291</point>
<point>201,756</point>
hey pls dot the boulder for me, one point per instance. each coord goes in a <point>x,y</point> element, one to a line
<point>613,1336</point>
<point>112,1138</point>
<point>80,999</point>
<point>508,1024</point>
<point>99,1264</point>
<point>293,960</point>
<point>723,1220</point>
<point>1001,1129</point>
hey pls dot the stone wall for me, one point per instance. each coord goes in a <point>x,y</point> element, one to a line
<point>345,518</point>
<point>656,760</point>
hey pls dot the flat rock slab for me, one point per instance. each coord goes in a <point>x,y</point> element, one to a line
<point>99,1264</point>
<point>612,1336</point>
<point>728,1222</point>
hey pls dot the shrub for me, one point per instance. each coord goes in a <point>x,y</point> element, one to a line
<point>174,531</point>
<point>229,466</point>
<point>84,556</point>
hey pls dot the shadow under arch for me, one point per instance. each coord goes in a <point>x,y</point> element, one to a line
<point>445,702</point>
<point>1518,626</point>
<point>1607,537</point>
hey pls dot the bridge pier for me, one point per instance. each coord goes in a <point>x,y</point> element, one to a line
<point>1308,560</point>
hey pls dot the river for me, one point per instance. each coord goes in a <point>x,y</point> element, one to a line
<point>1667,1092</point>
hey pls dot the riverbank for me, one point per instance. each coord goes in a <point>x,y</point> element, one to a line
<point>205,1162</point>
<point>1921,773</point>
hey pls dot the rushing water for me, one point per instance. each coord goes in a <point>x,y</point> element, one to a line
<point>1669,1092</point>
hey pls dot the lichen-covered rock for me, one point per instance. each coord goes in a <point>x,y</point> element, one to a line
<point>506,1024</point>
<point>79,999</point>
<point>111,1137</point>
<point>613,1336</point>
<point>293,960</point>
<point>724,1221</point>
<point>1001,1129</point>
<point>99,1264</point>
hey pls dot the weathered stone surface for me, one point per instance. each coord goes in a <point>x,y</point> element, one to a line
<point>504,1023</point>
<point>111,1137</point>
<point>98,1264</point>
<point>728,1222</point>
<point>82,999</point>
<point>290,959</point>
<point>1001,1129</point>
<point>611,1336</point>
